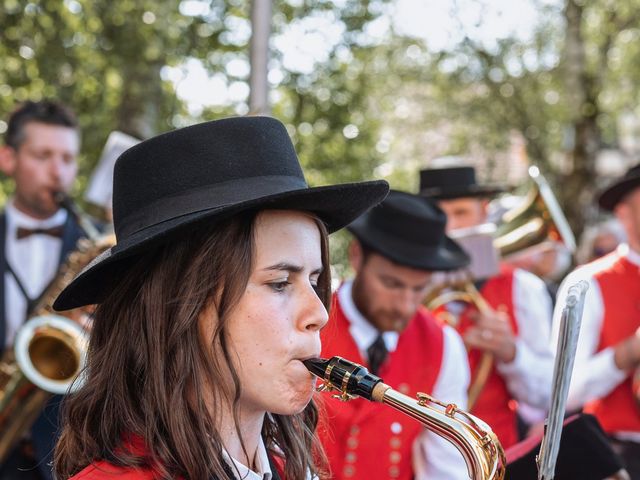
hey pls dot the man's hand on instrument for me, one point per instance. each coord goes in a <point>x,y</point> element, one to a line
<point>627,352</point>
<point>492,333</point>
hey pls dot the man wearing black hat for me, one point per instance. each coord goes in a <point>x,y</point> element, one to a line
<point>377,320</point>
<point>516,332</point>
<point>609,344</point>
<point>36,235</point>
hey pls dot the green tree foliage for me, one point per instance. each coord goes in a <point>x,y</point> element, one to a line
<point>370,106</point>
<point>103,58</point>
<point>113,61</point>
<point>563,90</point>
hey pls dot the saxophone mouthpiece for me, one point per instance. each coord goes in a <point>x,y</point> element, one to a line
<point>61,199</point>
<point>317,366</point>
<point>348,377</point>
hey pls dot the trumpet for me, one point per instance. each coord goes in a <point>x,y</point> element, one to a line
<point>468,293</point>
<point>472,437</point>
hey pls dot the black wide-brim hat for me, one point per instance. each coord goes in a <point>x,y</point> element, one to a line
<point>208,172</point>
<point>410,230</point>
<point>454,182</point>
<point>615,192</point>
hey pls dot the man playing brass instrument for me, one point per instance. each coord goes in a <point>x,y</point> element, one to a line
<point>377,320</point>
<point>515,330</point>
<point>609,345</point>
<point>39,155</point>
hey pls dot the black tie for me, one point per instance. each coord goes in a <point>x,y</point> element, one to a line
<point>377,354</point>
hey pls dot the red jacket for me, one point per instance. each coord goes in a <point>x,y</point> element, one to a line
<point>619,282</point>
<point>366,440</point>
<point>104,470</point>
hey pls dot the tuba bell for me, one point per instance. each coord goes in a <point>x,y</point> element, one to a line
<point>536,222</point>
<point>49,351</point>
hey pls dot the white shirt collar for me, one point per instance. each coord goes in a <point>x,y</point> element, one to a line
<point>363,333</point>
<point>242,472</point>
<point>625,251</point>
<point>17,218</point>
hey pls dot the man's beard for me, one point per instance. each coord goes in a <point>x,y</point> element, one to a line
<point>382,319</point>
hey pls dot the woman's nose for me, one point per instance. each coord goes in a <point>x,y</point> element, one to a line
<point>314,314</point>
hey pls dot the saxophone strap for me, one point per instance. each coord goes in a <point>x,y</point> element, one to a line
<point>70,235</point>
<point>31,302</point>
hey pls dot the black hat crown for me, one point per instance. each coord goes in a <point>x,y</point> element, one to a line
<point>409,230</point>
<point>616,191</point>
<point>207,165</point>
<point>453,182</point>
<point>207,172</point>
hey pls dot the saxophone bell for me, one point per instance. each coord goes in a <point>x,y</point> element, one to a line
<point>50,351</point>
<point>48,355</point>
<point>472,437</point>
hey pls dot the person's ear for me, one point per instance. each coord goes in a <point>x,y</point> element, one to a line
<point>356,255</point>
<point>7,160</point>
<point>485,207</point>
<point>622,212</point>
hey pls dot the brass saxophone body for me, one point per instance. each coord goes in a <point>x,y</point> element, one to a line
<point>473,438</point>
<point>49,352</point>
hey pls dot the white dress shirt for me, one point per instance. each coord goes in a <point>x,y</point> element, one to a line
<point>433,457</point>
<point>595,374</point>
<point>262,468</point>
<point>529,375</point>
<point>34,260</point>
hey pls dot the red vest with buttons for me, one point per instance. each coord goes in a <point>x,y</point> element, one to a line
<point>369,440</point>
<point>619,282</point>
<point>495,405</point>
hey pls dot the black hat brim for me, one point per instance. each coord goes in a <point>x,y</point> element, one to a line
<point>466,191</point>
<point>335,205</point>
<point>444,257</point>
<point>612,195</point>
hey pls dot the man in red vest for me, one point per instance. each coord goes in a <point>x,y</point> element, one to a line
<point>516,333</point>
<point>609,344</point>
<point>377,320</point>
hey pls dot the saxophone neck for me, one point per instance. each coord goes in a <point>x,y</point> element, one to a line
<point>472,437</point>
<point>66,202</point>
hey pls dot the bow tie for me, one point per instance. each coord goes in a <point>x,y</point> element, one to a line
<point>52,232</point>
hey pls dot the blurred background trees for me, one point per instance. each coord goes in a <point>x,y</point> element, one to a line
<point>360,95</point>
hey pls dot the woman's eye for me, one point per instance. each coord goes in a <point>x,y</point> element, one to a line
<point>280,286</point>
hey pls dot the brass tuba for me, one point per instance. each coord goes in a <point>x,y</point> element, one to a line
<point>537,221</point>
<point>472,437</point>
<point>49,352</point>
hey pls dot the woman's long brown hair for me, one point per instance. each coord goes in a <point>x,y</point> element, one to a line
<point>147,361</point>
